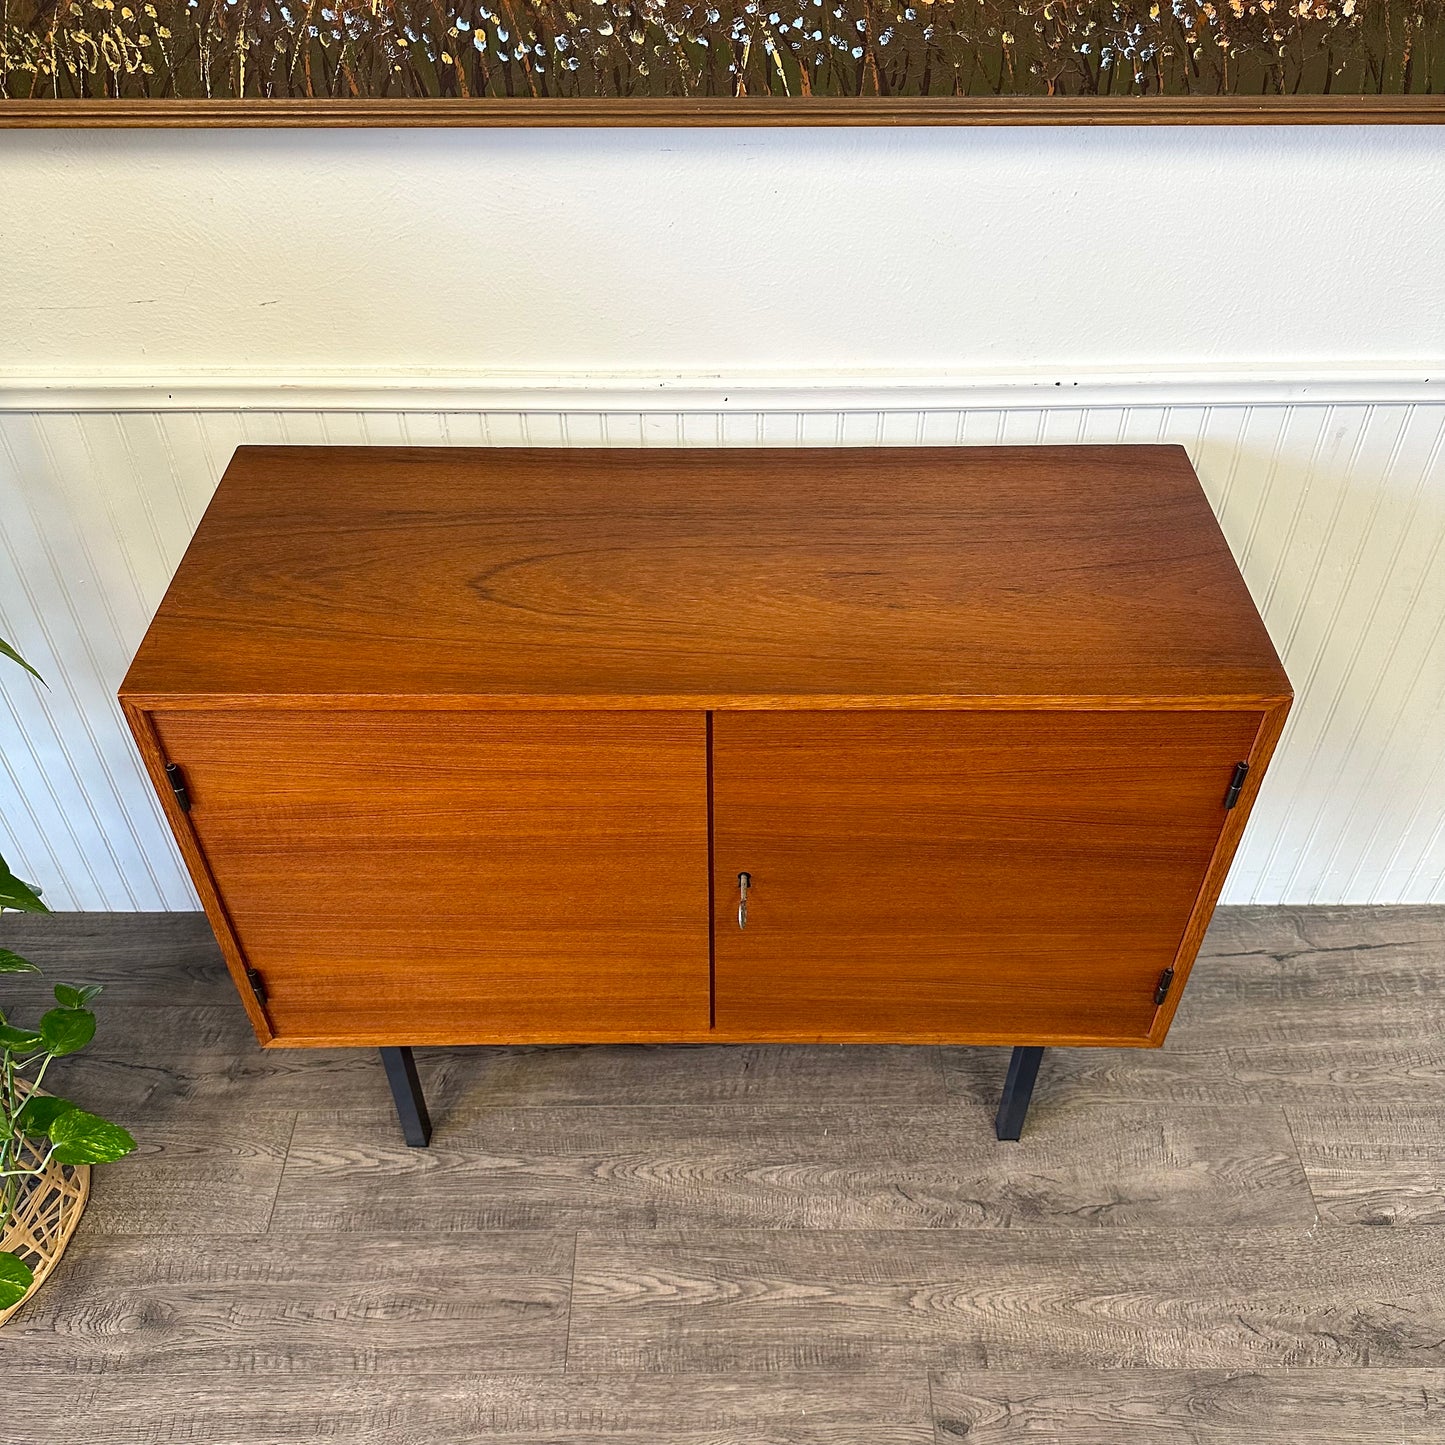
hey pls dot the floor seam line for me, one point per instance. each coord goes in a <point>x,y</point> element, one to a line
<point>1303,1168</point>
<point>571,1300</point>
<point>281,1177</point>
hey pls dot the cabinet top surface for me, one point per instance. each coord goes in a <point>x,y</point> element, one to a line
<point>700,578</point>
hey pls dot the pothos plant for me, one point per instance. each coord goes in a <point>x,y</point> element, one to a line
<point>56,1130</point>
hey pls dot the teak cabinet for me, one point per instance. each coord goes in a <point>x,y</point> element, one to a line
<point>904,744</point>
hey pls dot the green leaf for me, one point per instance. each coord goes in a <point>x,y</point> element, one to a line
<point>8,651</point>
<point>14,893</point>
<point>16,1277</point>
<point>82,1138</point>
<point>69,996</point>
<point>64,1030</point>
<point>39,1112</point>
<point>17,1040</point>
<point>13,963</point>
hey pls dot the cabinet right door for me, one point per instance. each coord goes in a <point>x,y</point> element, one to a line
<point>984,877</point>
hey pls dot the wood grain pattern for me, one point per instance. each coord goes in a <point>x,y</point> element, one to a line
<point>1236,819</point>
<point>1389,1067</point>
<point>660,1074</point>
<point>211,1168</point>
<point>707,111</point>
<point>994,878</point>
<point>960,1299</point>
<point>788,1166</point>
<point>371,633</point>
<point>140,958</point>
<point>1124,1290</point>
<point>183,1078</point>
<point>1286,1005</point>
<point>697,578</point>
<point>1191,1407</point>
<point>559,863</point>
<point>471,1408</point>
<point>1309,1006</point>
<point>317,1304</point>
<point>185,1061</point>
<point>1391,943</point>
<point>1175,1074</point>
<point>148,744</point>
<point>1380,1164</point>
<point>1261,1008</point>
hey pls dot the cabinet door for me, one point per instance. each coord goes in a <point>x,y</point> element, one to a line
<point>989,877</point>
<point>457,876</point>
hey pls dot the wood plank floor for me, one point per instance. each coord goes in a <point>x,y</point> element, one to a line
<point>1238,1238</point>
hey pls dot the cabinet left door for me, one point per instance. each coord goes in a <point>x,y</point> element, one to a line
<point>457,877</point>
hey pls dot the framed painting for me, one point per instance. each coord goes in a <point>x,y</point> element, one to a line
<point>719,62</point>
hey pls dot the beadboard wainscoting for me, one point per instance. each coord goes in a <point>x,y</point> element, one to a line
<point>1331,491</point>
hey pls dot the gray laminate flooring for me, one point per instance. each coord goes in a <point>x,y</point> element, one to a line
<point>1238,1238</point>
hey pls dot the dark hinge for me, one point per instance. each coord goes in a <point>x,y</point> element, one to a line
<point>258,985</point>
<point>177,781</point>
<point>1236,784</point>
<point>1161,990</point>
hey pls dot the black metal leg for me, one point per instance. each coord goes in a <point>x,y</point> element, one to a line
<point>1018,1089</point>
<point>410,1101</point>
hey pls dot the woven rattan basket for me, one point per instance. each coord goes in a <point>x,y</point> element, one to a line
<point>45,1217</point>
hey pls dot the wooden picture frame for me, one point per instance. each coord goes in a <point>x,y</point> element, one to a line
<point>720,62</point>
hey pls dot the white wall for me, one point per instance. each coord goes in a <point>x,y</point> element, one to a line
<point>1276,296</point>
<point>701,250</point>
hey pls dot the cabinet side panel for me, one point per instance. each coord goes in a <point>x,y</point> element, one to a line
<point>1270,727</point>
<point>142,727</point>
<point>459,877</point>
